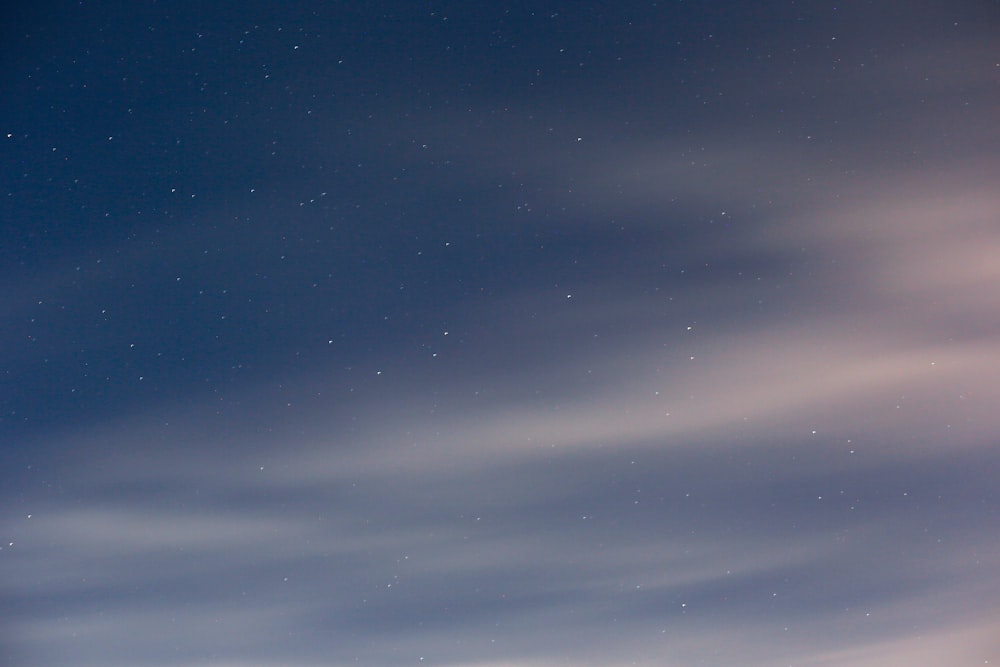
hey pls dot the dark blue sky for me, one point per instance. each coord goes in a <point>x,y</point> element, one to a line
<point>505,335</point>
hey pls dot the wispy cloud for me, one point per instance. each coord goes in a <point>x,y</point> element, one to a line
<point>757,428</point>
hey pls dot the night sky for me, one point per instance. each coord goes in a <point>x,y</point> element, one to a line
<point>500,334</point>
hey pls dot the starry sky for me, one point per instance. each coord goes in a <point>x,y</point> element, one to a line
<point>500,334</point>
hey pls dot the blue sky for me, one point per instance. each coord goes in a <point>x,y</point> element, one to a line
<point>516,335</point>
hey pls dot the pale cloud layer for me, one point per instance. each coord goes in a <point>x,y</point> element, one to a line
<point>760,432</point>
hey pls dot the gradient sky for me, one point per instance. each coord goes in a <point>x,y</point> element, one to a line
<point>500,334</point>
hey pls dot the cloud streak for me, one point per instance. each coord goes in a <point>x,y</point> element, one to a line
<point>734,404</point>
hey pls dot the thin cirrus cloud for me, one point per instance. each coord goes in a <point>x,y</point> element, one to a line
<point>794,466</point>
<point>432,517</point>
<point>434,495</point>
